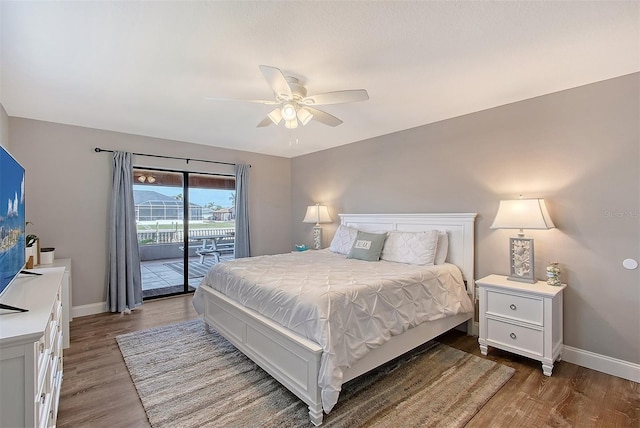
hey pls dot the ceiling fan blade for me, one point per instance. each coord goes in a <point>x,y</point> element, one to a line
<point>337,97</point>
<point>323,117</point>
<point>277,81</point>
<point>268,102</point>
<point>265,122</point>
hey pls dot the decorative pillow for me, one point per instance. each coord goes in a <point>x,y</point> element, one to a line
<point>343,239</point>
<point>367,246</point>
<point>442,249</point>
<point>416,248</point>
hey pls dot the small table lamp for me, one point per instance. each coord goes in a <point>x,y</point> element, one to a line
<point>317,214</point>
<point>522,214</point>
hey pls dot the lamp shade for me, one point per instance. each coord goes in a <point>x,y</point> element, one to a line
<point>522,214</point>
<point>291,124</point>
<point>304,115</point>
<point>317,214</point>
<point>288,112</point>
<point>275,116</point>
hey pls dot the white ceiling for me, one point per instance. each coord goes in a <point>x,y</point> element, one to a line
<point>145,67</point>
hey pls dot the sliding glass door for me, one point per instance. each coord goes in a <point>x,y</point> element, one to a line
<point>185,223</point>
<point>211,226</point>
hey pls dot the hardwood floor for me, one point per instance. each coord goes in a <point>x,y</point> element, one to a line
<point>98,392</point>
<point>573,396</point>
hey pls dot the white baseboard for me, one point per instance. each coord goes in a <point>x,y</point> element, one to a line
<point>92,309</point>
<point>602,363</point>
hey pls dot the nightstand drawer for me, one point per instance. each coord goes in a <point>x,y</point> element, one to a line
<point>515,336</point>
<point>527,309</point>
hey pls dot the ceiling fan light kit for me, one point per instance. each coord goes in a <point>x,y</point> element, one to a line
<point>293,102</point>
<point>275,115</point>
<point>304,116</point>
<point>288,112</point>
<point>291,124</point>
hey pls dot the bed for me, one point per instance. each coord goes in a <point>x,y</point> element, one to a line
<point>304,359</point>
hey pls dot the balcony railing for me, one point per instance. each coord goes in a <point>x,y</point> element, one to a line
<point>168,244</point>
<point>149,237</point>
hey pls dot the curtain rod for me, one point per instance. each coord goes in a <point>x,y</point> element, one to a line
<point>98,150</point>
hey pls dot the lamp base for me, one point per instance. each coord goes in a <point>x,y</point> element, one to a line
<point>317,237</point>
<point>519,279</point>
<point>521,253</point>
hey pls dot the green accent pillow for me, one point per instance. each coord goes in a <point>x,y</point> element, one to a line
<point>367,246</point>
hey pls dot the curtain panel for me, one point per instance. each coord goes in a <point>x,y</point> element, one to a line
<point>125,281</point>
<point>243,244</point>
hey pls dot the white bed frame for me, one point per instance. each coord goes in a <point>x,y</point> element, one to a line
<point>295,361</point>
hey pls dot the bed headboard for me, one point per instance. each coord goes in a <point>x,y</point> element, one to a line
<point>459,227</point>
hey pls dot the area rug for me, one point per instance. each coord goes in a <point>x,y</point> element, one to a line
<point>188,377</point>
<point>196,269</point>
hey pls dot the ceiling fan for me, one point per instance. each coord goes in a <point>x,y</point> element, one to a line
<point>294,106</point>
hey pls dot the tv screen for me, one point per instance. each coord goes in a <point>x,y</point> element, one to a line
<point>12,219</point>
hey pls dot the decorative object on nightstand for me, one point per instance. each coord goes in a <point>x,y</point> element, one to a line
<point>317,214</point>
<point>521,318</point>
<point>522,214</point>
<point>553,274</point>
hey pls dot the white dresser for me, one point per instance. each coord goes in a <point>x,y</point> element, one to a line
<point>522,318</point>
<point>31,351</point>
<point>67,294</point>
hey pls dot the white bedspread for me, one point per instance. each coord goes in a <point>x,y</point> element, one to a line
<point>347,306</point>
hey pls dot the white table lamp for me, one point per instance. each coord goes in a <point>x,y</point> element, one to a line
<point>522,214</point>
<point>317,214</point>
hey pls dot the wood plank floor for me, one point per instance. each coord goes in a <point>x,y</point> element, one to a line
<point>98,392</point>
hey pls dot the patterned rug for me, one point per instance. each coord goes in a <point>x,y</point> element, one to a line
<point>187,377</point>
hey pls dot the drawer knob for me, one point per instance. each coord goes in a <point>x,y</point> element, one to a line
<point>513,336</point>
<point>513,307</point>
<point>42,397</point>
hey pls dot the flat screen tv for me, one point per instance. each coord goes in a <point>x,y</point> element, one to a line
<point>12,220</point>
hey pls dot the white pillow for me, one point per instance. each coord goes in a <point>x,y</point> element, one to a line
<point>343,239</point>
<point>416,248</point>
<point>442,248</point>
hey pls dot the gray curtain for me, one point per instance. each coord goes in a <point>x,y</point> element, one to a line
<point>125,283</point>
<point>243,247</point>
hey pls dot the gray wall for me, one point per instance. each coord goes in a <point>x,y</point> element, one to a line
<point>4,128</point>
<point>578,149</point>
<point>68,188</point>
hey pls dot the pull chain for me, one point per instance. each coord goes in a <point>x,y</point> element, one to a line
<point>291,139</point>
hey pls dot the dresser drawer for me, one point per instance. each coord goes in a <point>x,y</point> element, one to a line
<point>515,336</point>
<point>527,309</point>
<point>42,355</point>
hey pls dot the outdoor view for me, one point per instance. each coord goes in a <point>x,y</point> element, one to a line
<point>159,198</point>
<point>159,213</point>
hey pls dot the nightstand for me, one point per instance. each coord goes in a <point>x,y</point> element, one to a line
<point>522,318</point>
